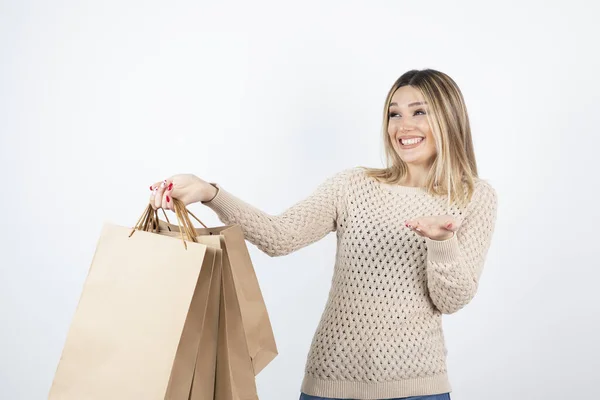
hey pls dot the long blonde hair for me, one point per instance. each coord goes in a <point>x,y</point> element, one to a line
<point>454,169</point>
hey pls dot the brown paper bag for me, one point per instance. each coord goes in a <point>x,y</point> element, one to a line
<point>196,355</point>
<point>204,372</point>
<point>133,335</point>
<point>162,320</point>
<point>245,338</point>
<point>235,378</point>
<point>194,372</point>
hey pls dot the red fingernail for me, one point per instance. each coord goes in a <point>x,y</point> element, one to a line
<point>168,199</point>
<point>170,186</point>
<point>151,188</point>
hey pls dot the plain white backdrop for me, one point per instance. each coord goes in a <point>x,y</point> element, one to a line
<point>98,100</point>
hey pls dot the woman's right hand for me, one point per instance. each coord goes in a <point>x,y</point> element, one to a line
<point>185,187</point>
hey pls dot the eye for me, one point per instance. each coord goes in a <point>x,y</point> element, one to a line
<point>394,114</point>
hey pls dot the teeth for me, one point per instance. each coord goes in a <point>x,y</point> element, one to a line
<point>410,141</point>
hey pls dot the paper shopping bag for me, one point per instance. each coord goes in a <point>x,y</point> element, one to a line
<point>132,331</point>
<point>205,355</point>
<point>235,378</point>
<point>193,373</point>
<point>245,338</point>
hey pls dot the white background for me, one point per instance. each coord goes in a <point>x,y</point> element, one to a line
<point>98,100</point>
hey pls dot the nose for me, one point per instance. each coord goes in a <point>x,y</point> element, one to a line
<point>406,127</point>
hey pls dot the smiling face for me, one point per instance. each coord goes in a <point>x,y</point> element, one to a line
<point>408,128</point>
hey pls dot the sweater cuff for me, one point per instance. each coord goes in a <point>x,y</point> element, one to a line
<point>224,203</point>
<point>443,251</point>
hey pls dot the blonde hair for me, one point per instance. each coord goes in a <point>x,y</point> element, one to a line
<point>454,169</point>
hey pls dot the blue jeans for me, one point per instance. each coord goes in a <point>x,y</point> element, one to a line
<point>444,396</point>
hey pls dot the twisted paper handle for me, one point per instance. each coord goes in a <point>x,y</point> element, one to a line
<point>148,222</point>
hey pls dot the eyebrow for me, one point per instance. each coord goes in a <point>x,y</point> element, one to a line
<point>418,103</point>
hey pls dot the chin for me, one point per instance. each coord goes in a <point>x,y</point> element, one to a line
<point>411,159</point>
<point>414,162</point>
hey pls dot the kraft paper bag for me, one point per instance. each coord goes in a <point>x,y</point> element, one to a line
<point>131,317</point>
<point>245,343</point>
<point>147,306</point>
<point>205,354</point>
<point>164,318</point>
<point>235,378</point>
<point>193,373</point>
<point>201,341</point>
<point>246,298</point>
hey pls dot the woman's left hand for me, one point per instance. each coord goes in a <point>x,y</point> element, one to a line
<point>440,227</point>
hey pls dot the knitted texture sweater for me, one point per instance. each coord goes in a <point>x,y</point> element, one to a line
<point>380,335</point>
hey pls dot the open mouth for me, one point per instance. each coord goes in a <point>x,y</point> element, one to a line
<point>410,143</point>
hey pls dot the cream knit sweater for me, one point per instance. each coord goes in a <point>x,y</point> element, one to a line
<point>380,335</point>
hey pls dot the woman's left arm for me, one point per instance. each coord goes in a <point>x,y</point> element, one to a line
<point>455,265</point>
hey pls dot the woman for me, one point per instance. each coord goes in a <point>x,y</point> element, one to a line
<point>412,240</point>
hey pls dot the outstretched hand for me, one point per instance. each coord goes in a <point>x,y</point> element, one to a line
<point>440,227</point>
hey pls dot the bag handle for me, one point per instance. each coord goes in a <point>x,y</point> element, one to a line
<point>148,222</point>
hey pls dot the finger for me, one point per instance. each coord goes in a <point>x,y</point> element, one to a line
<point>419,232</point>
<point>451,225</point>
<point>414,227</point>
<point>414,223</point>
<point>154,189</point>
<point>167,202</point>
<point>417,226</point>
<point>421,229</point>
<point>159,194</point>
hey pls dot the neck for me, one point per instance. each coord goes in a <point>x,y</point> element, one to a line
<point>416,176</point>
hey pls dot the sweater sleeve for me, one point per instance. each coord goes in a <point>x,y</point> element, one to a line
<point>305,222</point>
<point>454,266</point>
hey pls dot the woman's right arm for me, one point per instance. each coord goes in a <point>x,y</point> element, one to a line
<point>303,223</point>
